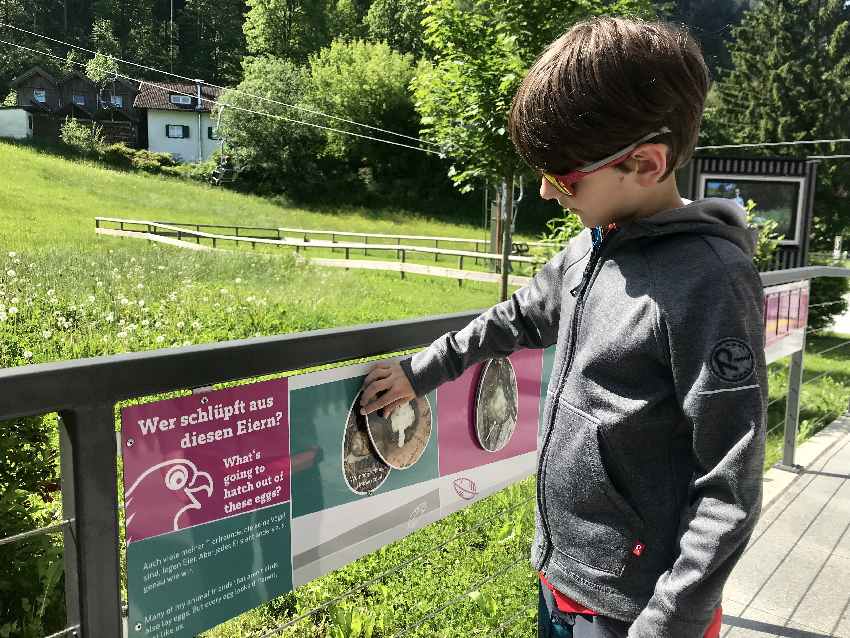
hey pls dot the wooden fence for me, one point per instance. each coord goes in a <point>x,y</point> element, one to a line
<point>183,237</point>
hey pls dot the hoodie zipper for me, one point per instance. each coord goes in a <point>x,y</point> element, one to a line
<point>579,292</point>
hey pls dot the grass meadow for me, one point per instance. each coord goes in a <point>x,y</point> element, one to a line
<point>66,293</point>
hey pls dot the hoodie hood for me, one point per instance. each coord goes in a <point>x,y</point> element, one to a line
<point>712,216</point>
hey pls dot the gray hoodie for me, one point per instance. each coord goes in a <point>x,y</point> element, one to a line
<point>650,456</point>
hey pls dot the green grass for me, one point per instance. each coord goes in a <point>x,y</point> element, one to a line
<point>52,202</point>
<point>49,201</point>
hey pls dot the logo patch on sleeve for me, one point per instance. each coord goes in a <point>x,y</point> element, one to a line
<point>732,360</point>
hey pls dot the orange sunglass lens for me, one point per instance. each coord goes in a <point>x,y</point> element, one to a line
<point>557,184</point>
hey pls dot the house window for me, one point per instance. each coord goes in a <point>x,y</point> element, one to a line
<point>212,133</point>
<point>80,100</point>
<point>39,95</point>
<point>118,101</point>
<point>177,131</point>
<point>182,100</point>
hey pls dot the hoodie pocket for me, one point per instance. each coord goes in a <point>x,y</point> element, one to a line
<point>589,520</point>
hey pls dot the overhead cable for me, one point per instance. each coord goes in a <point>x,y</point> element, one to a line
<point>233,106</point>
<point>217,86</point>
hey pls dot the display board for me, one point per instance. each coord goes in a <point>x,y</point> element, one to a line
<point>235,496</point>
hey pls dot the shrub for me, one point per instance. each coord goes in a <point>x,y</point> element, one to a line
<point>123,156</point>
<point>767,240</point>
<point>31,579</point>
<point>83,138</point>
<point>201,171</point>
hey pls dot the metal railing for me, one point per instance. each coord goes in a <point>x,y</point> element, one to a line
<point>84,393</point>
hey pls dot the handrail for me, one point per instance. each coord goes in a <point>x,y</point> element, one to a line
<point>776,277</point>
<point>48,387</point>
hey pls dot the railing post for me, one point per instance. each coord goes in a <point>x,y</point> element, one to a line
<point>402,263</point>
<point>90,498</point>
<point>792,410</point>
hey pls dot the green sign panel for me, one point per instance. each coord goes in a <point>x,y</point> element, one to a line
<point>188,581</point>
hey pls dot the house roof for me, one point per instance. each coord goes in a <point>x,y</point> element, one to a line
<point>76,75</point>
<point>158,97</point>
<point>36,70</point>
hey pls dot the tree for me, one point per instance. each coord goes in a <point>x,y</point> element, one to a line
<point>277,153</point>
<point>710,22</point>
<point>139,29</point>
<point>368,83</point>
<point>211,40</point>
<point>346,19</point>
<point>290,29</point>
<point>398,23</point>
<point>791,81</point>
<point>481,53</point>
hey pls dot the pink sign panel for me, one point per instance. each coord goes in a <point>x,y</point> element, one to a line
<point>205,457</point>
<point>786,308</point>
<point>459,444</point>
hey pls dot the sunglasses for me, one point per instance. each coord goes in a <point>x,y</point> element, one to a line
<point>565,184</point>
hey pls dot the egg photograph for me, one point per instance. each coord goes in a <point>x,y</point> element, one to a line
<point>401,439</point>
<point>496,405</point>
<point>362,467</point>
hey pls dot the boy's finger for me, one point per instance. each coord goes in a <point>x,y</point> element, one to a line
<point>380,371</point>
<point>374,388</point>
<point>380,402</point>
<point>388,411</point>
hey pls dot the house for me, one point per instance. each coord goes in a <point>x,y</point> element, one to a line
<point>179,120</point>
<point>37,96</point>
<point>43,102</point>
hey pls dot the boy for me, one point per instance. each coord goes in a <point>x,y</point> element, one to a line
<point>650,457</point>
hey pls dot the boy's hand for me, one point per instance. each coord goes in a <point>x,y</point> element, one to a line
<point>386,386</point>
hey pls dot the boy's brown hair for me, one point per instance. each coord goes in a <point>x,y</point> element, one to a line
<point>602,85</point>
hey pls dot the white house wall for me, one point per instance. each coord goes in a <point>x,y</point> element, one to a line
<point>14,124</point>
<point>184,150</point>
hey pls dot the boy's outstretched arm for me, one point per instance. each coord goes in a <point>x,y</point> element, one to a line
<point>711,328</point>
<point>528,319</point>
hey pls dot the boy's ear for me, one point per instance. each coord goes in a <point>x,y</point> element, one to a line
<point>650,163</point>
